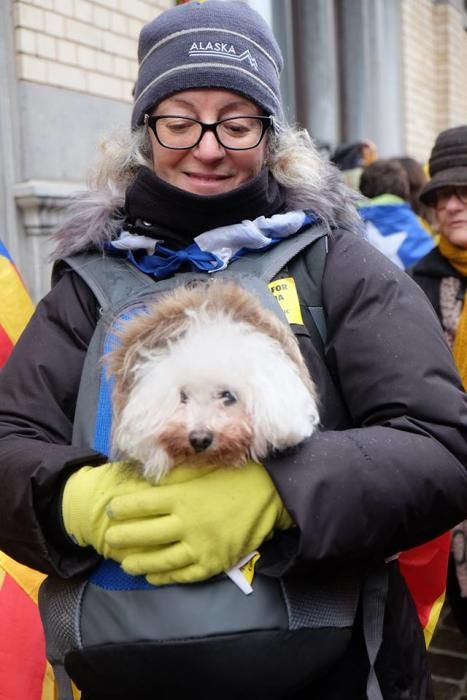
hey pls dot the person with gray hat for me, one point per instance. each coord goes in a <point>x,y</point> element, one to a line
<point>442,274</point>
<point>211,173</point>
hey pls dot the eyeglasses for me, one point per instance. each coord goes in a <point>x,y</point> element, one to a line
<point>182,133</point>
<point>444,194</point>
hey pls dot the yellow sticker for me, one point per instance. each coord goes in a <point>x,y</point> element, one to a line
<point>248,569</point>
<point>285,292</point>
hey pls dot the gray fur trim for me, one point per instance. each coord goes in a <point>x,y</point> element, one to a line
<point>334,202</point>
<point>93,219</point>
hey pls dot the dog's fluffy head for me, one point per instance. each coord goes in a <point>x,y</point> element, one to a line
<point>208,374</point>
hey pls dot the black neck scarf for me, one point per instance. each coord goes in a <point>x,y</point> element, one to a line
<point>157,209</point>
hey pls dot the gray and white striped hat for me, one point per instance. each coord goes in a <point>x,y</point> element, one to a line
<point>211,44</point>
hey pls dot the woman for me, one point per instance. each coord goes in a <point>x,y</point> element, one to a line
<point>386,471</point>
<point>442,274</point>
<point>351,158</point>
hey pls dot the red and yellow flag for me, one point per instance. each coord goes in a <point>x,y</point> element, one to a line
<point>425,571</point>
<point>24,671</point>
<point>16,306</point>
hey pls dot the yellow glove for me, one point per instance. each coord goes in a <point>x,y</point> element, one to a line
<point>85,501</point>
<point>199,522</point>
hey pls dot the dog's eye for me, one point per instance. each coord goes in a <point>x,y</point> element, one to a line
<point>183,397</point>
<point>228,398</point>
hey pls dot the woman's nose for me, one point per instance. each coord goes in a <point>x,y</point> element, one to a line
<point>209,147</point>
<point>454,203</point>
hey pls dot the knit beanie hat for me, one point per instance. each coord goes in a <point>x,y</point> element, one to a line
<point>211,44</point>
<point>448,162</point>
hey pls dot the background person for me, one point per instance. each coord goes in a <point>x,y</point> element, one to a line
<point>351,158</point>
<point>417,180</point>
<point>391,225</point>
<point>385,473</point>
<point>442,274</point>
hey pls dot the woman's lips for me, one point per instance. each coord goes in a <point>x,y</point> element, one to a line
<point>207,177</point>
<point>207,183</point>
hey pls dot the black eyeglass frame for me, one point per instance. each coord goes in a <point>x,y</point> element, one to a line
<point>150,122</point>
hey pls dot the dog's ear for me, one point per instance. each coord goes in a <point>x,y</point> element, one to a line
<point>152,401</point>
<point>159,324</point>
<point>284,407</point>
<point>120,363</point>
<point>245,306</point>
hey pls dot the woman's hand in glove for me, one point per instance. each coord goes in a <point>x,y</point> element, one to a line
<point>86,497</point>
<point>197,523</point>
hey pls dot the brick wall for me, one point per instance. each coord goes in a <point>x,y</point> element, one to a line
<point>451,59</point>
<point>84,45</point>
<point>434,45</point>
<point>418,71</point>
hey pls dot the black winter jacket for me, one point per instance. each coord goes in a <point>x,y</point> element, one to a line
<point>386,473</point>
<point>428,273</point>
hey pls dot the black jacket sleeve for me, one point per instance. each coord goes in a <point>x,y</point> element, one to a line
<point>396,477</point>
<point>38,389</point>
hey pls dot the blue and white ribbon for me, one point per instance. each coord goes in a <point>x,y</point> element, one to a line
<point>213,250</point>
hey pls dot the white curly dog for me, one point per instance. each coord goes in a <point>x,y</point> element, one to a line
<point>208,375</point>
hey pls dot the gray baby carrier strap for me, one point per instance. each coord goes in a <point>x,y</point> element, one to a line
<point>114,280</point>
<point>80,617</point>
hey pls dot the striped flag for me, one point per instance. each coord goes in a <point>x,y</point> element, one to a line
<point>425,571</point>
<point>16,306</point>
<point>394,229</point>
<point>24,671</point>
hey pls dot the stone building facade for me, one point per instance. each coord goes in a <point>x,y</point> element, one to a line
<point>394,71</point>
<point>434,49</point>
<point>70,69</point>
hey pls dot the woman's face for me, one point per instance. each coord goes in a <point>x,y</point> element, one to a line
<point>451,214</point>
<point>208,168</point>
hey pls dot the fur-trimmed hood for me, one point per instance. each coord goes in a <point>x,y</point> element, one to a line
<point>97,216</point>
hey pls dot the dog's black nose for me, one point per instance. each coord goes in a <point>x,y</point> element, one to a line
<point>200,439</point>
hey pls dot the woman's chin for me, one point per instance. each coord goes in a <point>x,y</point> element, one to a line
<point>458,236</point>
